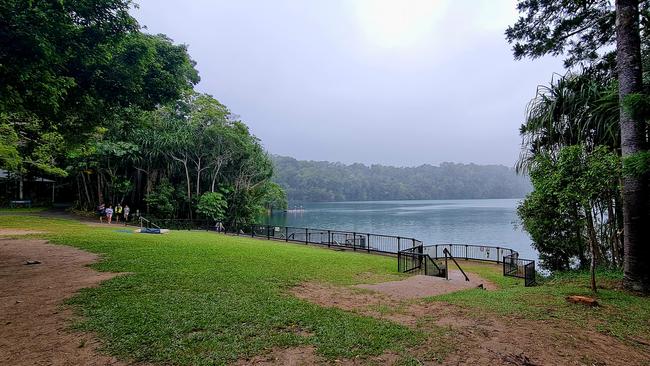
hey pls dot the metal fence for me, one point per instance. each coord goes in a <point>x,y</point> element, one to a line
<point>414,261</point>
<point>513,266</point>
<point>467,251</point>
<point>331,238</point>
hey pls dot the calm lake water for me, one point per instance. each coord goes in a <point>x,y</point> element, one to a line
<point>437,221</point>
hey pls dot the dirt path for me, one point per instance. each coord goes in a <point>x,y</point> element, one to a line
<point>33,324</point>
<point>468,338</point>
<point>424,286</point>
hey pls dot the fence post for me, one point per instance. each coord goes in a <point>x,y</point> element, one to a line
<point>398,245</point>
<point>412,243</point>
<point>354,241</point>
<point>329,238</point>
<point>465,251</point>
<point>268,232</point>
<point>446,268</point>
<point>498,254</point>
<point>286,233</point>
<point>399,262</point>
<point>368,242</point>
<point>306,236</point>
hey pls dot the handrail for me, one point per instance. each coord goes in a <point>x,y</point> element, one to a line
<point>447,253</point>
<point>148,221</point>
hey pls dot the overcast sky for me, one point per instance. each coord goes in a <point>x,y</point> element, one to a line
<point>395,82</point>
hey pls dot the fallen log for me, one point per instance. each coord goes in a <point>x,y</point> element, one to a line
<point>584,300</point>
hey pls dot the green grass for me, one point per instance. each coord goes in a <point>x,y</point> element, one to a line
<point>202,298</point>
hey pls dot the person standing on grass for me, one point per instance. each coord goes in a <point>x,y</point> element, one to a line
<point>109,214</point>
<point>101,211</point>
<point>127,211</point>
<point>118,213</point>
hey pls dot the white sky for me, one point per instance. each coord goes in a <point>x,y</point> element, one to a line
<point>373,81</point>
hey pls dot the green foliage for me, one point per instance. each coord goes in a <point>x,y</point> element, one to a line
<point>68,67</point>
<point>161,201</point>
<point>637,165</point>
<point>576,28</point>
<point>569,193</point>
<point>638,106</point>
<point>273,197</point>
<point>212,205</point>
<point>9,156</point>
<point>573,109</point>
<point>325,181</point>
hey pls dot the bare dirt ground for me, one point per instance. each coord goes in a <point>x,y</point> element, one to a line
<point>423,286</point>
<point>14,232</point>
<point>33,324</point>
<point>480,339</point>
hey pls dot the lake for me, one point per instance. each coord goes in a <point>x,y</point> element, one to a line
<point>486,221</point>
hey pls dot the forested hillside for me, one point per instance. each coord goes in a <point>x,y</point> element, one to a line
<point>326,181</point>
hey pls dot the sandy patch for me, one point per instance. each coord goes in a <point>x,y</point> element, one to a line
<point>306,356</point>
<point>12,232</point>
<point>33,325</point>
<point>424,286</point>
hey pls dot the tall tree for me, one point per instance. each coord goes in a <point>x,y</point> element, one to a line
<point>633,142</point>
<point>585,31</point>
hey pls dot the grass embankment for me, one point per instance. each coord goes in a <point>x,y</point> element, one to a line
<point>202,298</point>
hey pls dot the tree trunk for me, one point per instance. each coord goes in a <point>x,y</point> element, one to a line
<point>100,196</point>
<point>20,187</point>
<point>189,188</point>
<point>613,235</point>
<point>593,242</point>
<point>628,59</point>
<point>88,200</point>
<point>215,175</point>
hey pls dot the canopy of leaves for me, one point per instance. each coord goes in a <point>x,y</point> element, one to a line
<point>569,190</point>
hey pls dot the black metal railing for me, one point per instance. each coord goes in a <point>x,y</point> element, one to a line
<point>414,261</point>
<point>513,266</point>
<point>355,241</point>
<point>449,256</point>
<point>469,251</point>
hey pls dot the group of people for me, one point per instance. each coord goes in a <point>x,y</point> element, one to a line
<point>109,213</point>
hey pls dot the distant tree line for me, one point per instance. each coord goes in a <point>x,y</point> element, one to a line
<point>326,181</point>
<point>110,113</point>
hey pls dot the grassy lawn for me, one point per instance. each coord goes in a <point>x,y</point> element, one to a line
<point>202,298</point>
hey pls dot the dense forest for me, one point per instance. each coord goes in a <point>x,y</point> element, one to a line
<point>326,181</point>
<point>110,115</point>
